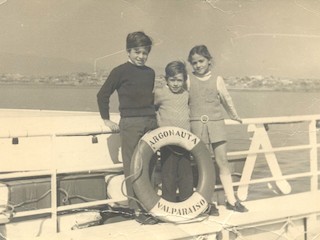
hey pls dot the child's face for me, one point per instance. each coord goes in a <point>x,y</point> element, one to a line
<point>175,83</point>
<point>200,64</point>
<point>138,55</point>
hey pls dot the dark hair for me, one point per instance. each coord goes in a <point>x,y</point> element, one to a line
<point>200,50</point>
<point>175,67</point>
<point>138,39</point>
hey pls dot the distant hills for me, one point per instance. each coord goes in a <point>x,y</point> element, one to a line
<point>36,65</point>
<point>31,69</point>
<point>272,83</point>
<point>256,83</point>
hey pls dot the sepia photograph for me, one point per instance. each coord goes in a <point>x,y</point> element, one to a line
<point>149,119</point>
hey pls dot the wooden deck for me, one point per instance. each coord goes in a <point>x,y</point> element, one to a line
<point>261,212</point>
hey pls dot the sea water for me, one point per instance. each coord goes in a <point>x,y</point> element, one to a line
<point>83,98</point>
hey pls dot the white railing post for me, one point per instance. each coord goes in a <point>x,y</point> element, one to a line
<point>261,139</point>
<point>54,196</point>
<point>313,156</point>
<point>53,178</point>
<point>312,222</point>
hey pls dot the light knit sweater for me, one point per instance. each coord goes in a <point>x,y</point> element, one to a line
<point>173,109</point>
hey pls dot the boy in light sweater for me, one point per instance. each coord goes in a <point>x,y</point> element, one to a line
<point>173,110</point>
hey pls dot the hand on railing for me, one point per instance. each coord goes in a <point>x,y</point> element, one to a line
<point>112,125</point>
<point>239,120</point>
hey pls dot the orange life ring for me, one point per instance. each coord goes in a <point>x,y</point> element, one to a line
<point>153,203</point>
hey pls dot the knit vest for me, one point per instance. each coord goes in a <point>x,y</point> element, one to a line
<point>204,99</point>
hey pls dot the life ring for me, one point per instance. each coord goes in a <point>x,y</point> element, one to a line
<point>153,203</point>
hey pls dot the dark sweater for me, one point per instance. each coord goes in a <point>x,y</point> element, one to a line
<point>134,85</point>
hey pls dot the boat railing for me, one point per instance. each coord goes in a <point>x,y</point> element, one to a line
<point>256,125</point>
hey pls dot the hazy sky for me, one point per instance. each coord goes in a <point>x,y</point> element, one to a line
<point>246,37</point>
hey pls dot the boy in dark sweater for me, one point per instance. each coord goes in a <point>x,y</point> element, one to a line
<point>134,83</point>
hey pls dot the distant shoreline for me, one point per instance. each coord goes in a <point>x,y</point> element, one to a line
<point>95,80</point>
<point>49,84</point>
<point>270,90</point>
<point>232,89</point>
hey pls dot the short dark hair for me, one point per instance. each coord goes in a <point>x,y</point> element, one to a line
<point>138,39</point>
<point>175,67</point>
<point>200,50</point>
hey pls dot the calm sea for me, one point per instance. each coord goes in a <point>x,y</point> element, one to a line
<point>79,98</point>
<point>249,104</point>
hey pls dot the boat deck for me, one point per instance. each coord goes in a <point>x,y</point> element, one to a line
<point>53,143</point>
<point>260,212</point>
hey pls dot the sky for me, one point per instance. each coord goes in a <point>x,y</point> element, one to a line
<point>246,37</point>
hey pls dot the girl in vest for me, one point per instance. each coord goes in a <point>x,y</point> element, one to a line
<point>207,94</point>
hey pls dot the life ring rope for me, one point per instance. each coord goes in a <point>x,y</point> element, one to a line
<point>131,176</point>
